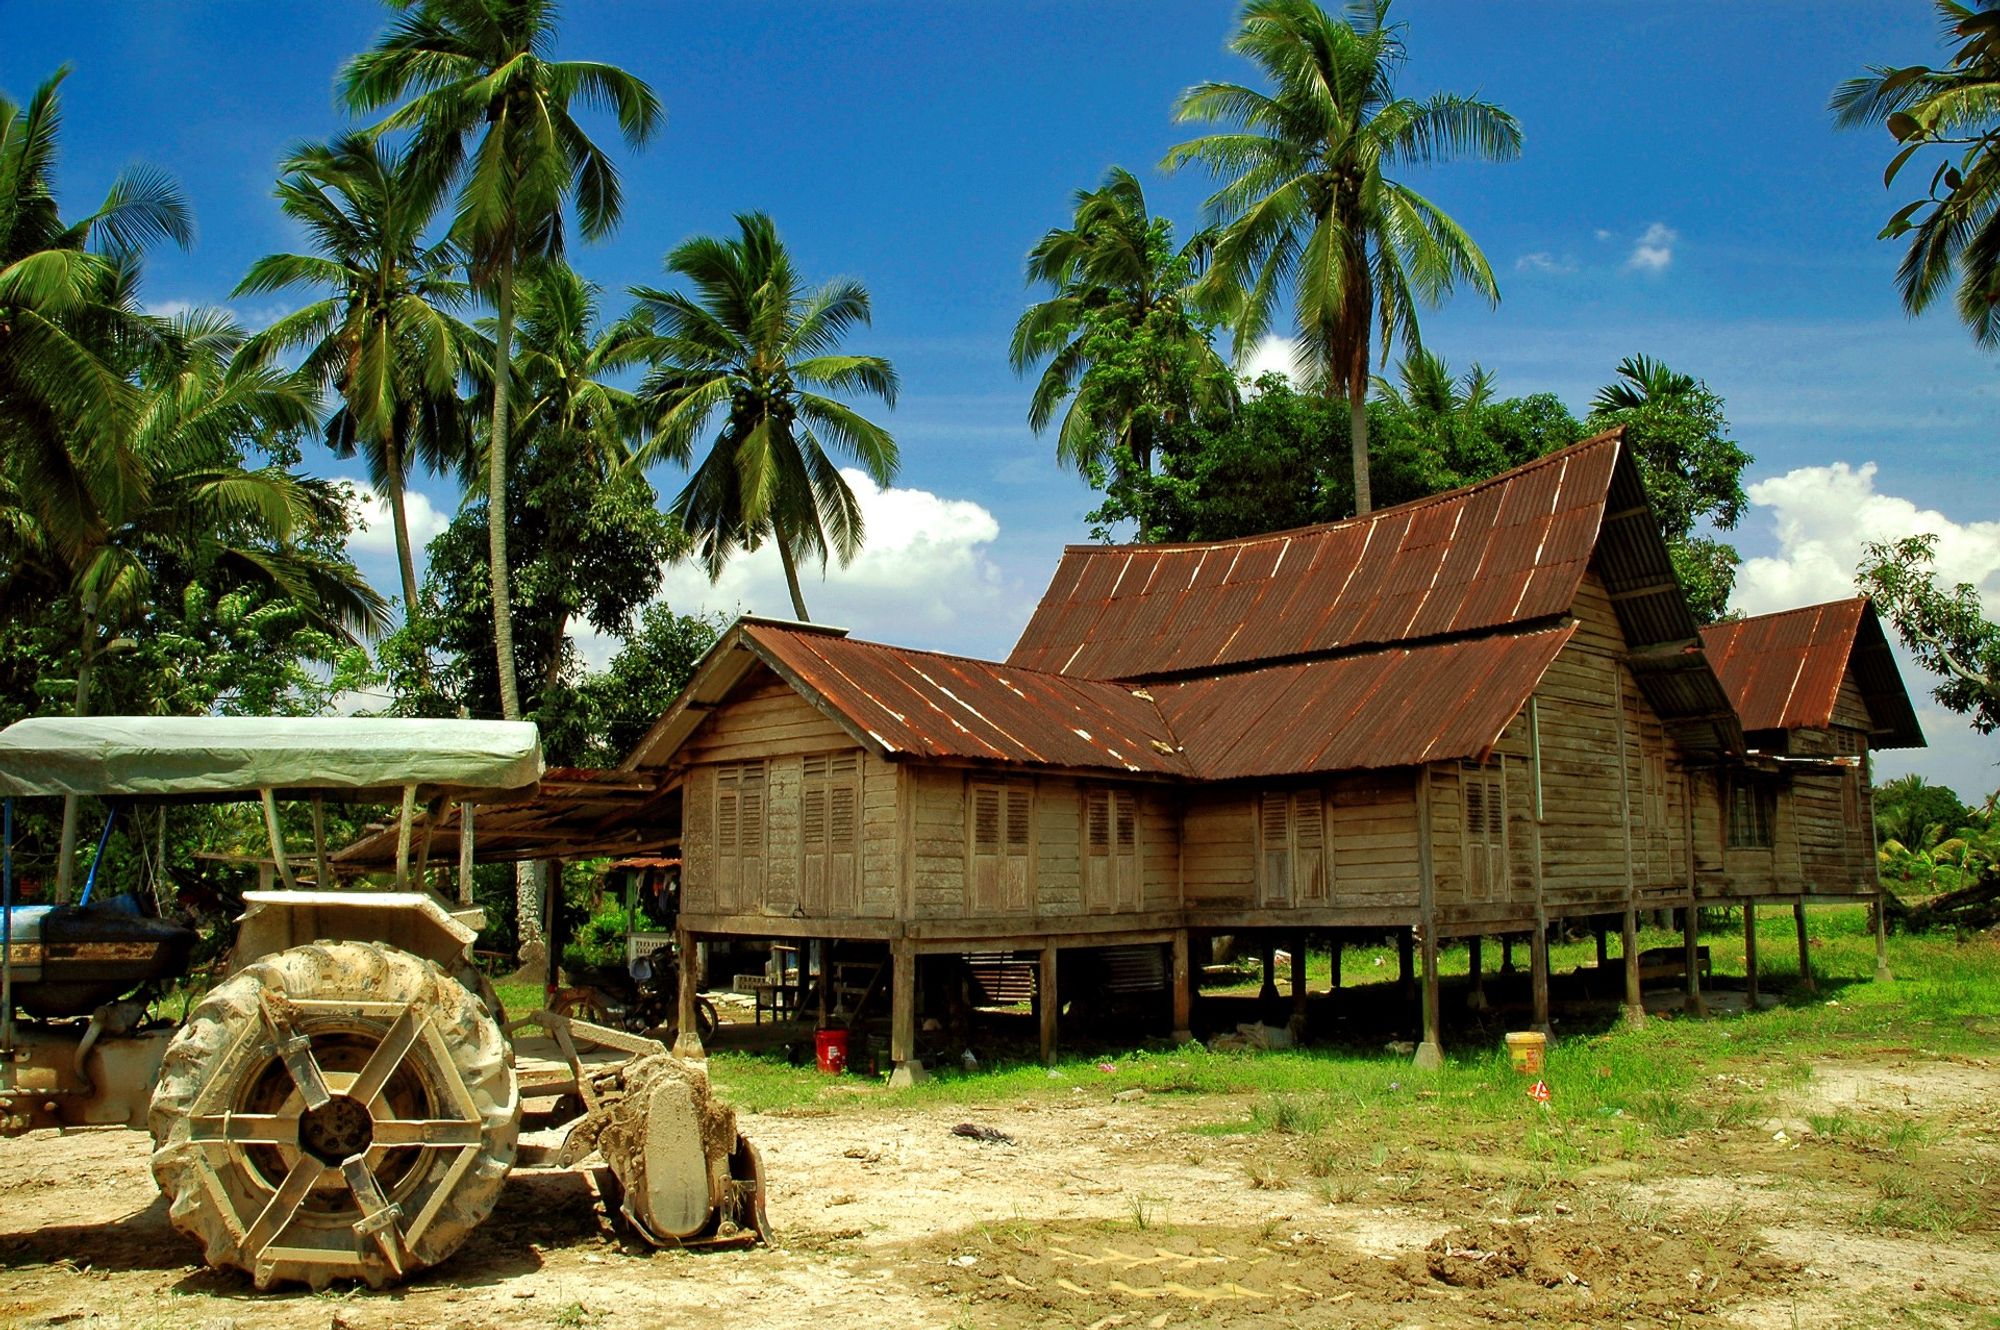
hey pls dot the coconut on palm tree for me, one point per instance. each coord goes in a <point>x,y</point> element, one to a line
<point>490,110</point>
<point>1123,333</point>
<point>755,349</point>
<point>384,338</point>
<point>1308,210</point>
<point>1954,229</point>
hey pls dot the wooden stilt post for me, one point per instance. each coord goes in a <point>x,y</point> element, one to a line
<point>1598,932</point>
<point>1183,990</point>
<point>1506,953</point>
<point>1268,994</point>
<point>1406,963</point>
<point>1046,989</point>
<point>1882,974</point>
<point>905,1068</point>
<point>1475,1000</point>
<point>1750,955</point>
<point>1691,957</point>
<point>822,950</point>
<point>1538,966</point>
<point>1430,1053</point>
<point>1635,1005</point>
<point>1338,944</point>
<point>1297,1024</point>
<point>1805,954</point>
<point>687,1044</point>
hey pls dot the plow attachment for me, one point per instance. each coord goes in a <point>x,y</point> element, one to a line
<point>686,1177</point>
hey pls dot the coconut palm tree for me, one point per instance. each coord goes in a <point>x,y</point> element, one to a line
<point>66,407</point>
<point>489,109</point>
<point>384,337</point>
<point>1120,292</point>
<point>1426,387</point>
<point>192,511</point>
<point>752,344</point>
<point>1955,227</point>
<point>573,417</point>
<point>1643,381</point>
<point>1305,202</point>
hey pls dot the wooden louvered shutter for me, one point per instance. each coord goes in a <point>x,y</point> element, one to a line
<point>728,816</point>
<point>984,880</point>
<point>1275,848</point>
<point>750,891</point>
<point>1125,858</point>
<point>843,830</point>
<point>1018,886</point>
<point>1098,892</point>
<point>813,841</point>
<point>1309,875</point>
<point>1484,833</point>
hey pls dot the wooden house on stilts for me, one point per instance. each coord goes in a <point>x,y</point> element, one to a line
<point>1461,717</point>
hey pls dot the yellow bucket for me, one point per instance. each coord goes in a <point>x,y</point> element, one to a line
<point>1525,1049</point>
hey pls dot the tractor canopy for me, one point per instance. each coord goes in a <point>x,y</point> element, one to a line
<point>182,756</point>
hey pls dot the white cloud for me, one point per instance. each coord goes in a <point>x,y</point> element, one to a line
<point>169,309</point>
<point>375,528</point>
<point>1271,355</point>
<point>1655,249</point>
<point>1544,262</point>
<point>1823,515</point>
<point>924,572</point>
<point>1603,235</point>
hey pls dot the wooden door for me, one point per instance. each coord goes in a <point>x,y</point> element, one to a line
<point>1110,851</point>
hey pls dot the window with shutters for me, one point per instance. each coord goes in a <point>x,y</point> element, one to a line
<point>739,836</point>
<point>1753,812</point>
<point>1001,847</point>
<point>1110,850</point>
<point>1292,859</point>
<point>1484,832</point>
<point>830,834</point>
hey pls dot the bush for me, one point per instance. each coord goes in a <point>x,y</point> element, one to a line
<point>599,943</point>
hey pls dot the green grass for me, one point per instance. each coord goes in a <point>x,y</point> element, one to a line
<point>1619,1095</point>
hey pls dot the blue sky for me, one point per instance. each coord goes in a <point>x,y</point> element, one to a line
<point>1682,193</point>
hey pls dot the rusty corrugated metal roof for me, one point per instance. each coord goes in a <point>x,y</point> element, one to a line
<point>574,813</point>
<point>1393,707</point>
<point>1783,671</point>
<point>926,704</point>
<point>1509,550</point>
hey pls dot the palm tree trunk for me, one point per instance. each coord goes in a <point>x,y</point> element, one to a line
<point>66,855</point>
<point>496,498</point>
<point>1357,438</point>
<point>405,560</point>
<point>792,581</point>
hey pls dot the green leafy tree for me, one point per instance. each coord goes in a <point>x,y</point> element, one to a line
<point>1305,201</point>
<point>1945,627</point>
<point>644,678</point>
<point>384,338</point>
<point>751,346</point>
<point>489,109</point>
<point>1954,227</point>
<point>1909,808</point>
<point>1121,336</point>
<point>1675,426</point>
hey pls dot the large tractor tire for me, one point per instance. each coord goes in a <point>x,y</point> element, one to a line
<point>343,1110</point>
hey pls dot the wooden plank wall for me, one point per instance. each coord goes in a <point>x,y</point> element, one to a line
<point>942,849</point>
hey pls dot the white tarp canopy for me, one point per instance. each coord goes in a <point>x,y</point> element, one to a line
<point>204,755</point>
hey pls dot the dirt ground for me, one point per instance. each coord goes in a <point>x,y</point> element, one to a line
<point>1117,1214</point>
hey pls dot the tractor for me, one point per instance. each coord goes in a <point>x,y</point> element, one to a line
<point>347,1101</point>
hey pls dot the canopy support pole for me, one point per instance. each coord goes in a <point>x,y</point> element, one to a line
<point>270,800</point>
<point>432,812</point>
<point>324,880</point>
<point>7,939</point>
<point>403,836</point>
<point>465,852</point>
<point>97,859</point>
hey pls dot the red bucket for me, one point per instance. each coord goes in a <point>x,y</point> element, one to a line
<point>831,1048</point>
